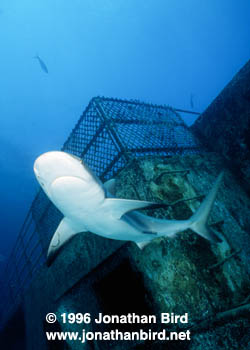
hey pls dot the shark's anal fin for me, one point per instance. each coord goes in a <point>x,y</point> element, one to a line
<point>119,207</point>
<point>64,232</point>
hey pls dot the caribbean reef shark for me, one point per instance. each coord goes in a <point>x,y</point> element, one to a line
<point>87,205</point>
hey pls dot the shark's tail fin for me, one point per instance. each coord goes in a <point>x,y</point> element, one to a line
<point>198,221</point>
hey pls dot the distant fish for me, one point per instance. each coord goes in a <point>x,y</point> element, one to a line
<point>42,64</point>
<point>192,101</point>
<point>2,258</point>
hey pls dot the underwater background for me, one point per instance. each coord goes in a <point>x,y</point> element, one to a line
<point>180,53</point>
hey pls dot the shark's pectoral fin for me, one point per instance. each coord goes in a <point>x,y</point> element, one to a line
<point>64,232</point>
<point>142,245</point>
<point>109,188</point>
<point>119,207</point>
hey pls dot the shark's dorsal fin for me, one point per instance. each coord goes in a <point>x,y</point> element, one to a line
<point>119,207</point>
<point>110,187</point>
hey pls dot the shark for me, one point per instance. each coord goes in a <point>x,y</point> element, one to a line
<point>88,205</point>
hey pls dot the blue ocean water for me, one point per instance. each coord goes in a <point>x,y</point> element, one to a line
<point>180,53</point>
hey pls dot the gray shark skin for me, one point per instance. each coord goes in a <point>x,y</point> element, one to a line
<point>88,205</point>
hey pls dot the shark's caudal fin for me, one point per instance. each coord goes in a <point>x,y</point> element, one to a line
<point>198,221</point>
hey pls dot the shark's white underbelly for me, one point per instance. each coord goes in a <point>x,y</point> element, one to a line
<point>112,228</point>
<point>134,227</point>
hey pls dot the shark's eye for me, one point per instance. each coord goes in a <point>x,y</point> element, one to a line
<point>40,180</point>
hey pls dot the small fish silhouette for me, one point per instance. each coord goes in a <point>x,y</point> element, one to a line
<point>42,64</point>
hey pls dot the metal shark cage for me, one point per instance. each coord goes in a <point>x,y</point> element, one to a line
<point>108,135</point>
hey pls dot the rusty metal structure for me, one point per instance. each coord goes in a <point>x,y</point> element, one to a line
<point>109,134</point>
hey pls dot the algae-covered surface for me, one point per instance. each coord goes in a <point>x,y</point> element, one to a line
<point>186,273</point>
